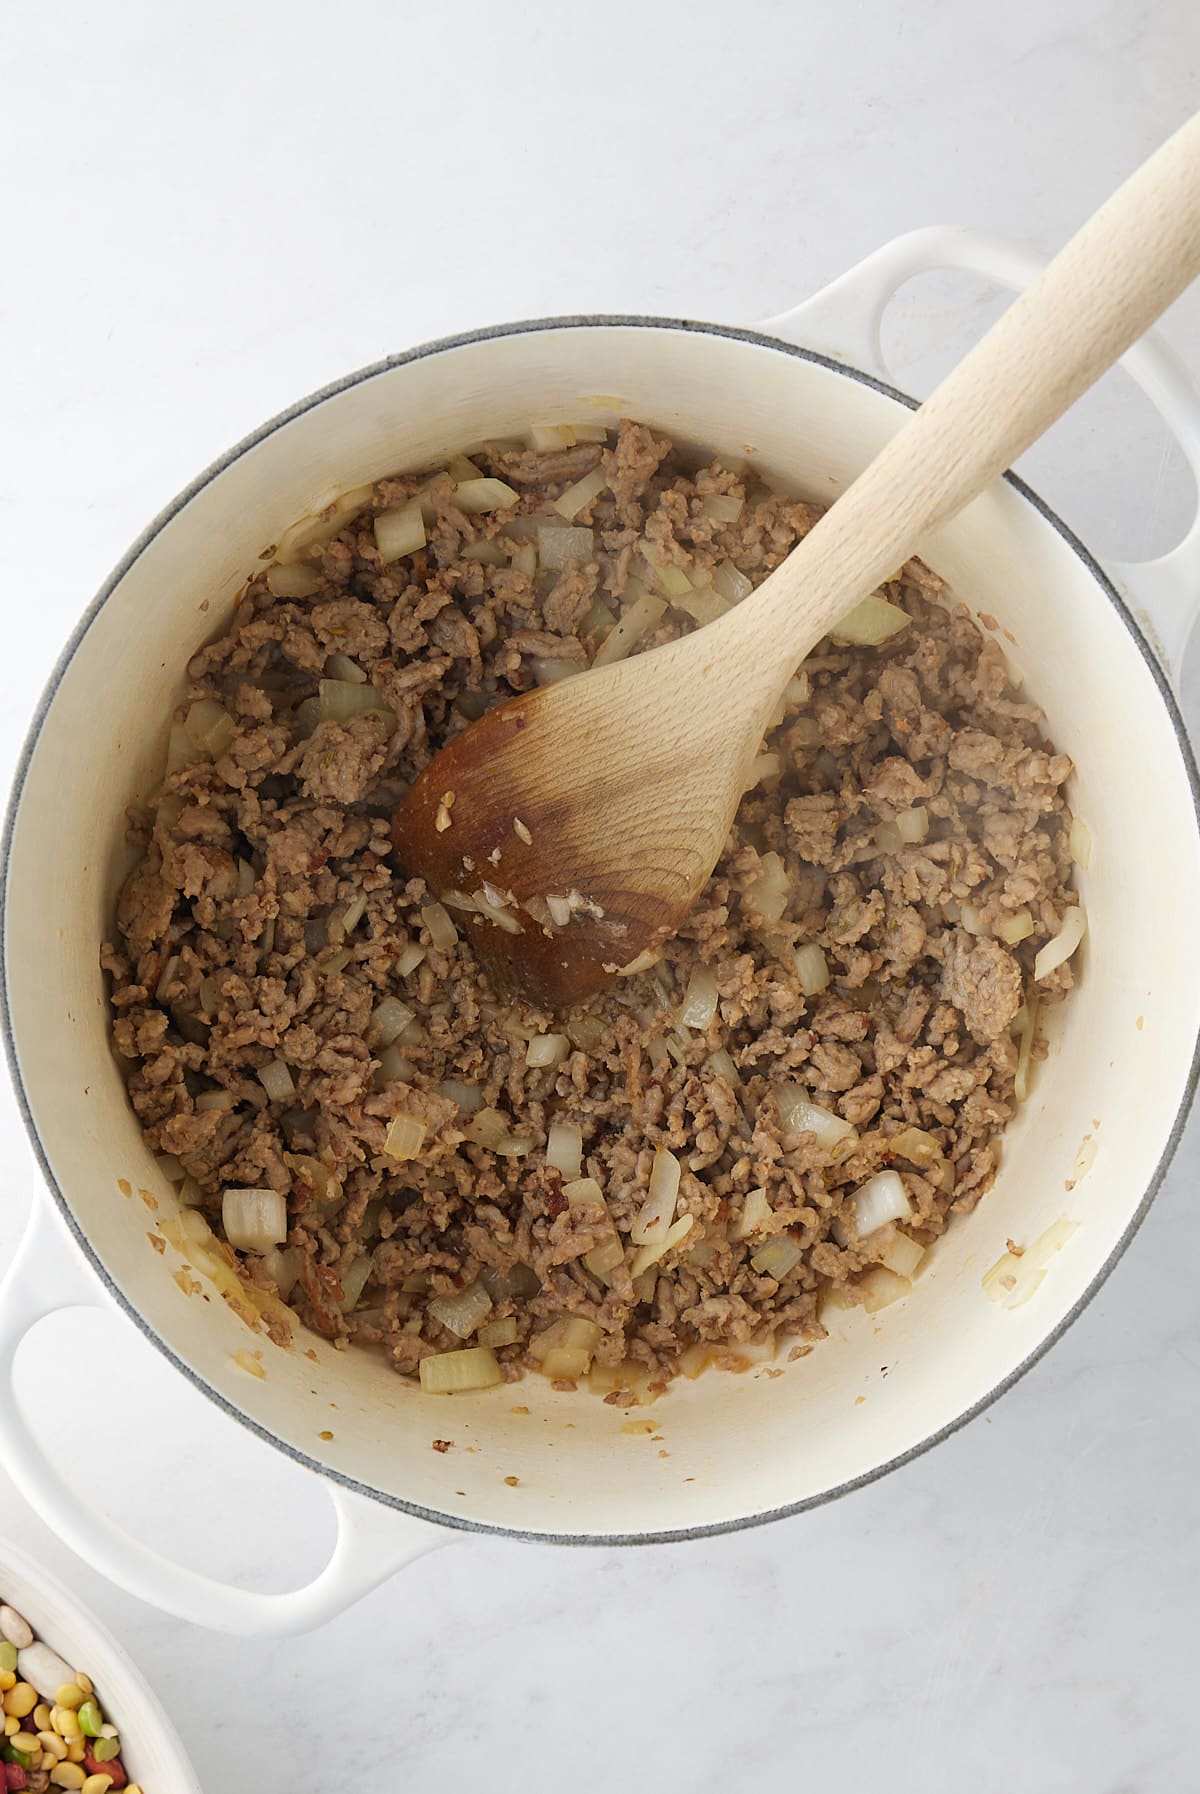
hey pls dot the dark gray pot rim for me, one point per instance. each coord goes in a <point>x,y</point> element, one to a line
<point>420,353</point>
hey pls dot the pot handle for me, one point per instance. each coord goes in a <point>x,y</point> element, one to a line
<point>843,321</point>
<point>372,1542</point>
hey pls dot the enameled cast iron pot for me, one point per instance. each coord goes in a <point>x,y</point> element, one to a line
<point>1099,648</point>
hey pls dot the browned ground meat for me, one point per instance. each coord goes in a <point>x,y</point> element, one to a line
<point>266,921</point>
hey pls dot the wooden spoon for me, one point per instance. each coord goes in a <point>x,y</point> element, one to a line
<point>611,794</point>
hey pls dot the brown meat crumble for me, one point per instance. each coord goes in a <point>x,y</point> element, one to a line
<point>914,806</point>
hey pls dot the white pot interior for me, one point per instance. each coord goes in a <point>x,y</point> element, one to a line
<point>723,1447</point>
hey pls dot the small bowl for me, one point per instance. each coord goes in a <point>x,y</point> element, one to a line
<point>152,1754</point>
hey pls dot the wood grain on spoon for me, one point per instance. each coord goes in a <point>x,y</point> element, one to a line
<point>609,796</point>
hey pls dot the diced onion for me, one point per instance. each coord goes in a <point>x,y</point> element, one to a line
<point>1079,842</point>
<point>604,1258</point>
<point>477,496</point>
<point>215,1099</point>
<point>721,507</point>
<point>1060,949</point>
<point>166,979</point>
<point>798,1114</point>
<point>671,580</point>
<point>812,969</point>
<point>394,1067</point>
<point>881,1287</point>
<point>913,825</point>
<point>767,893</point>
<point>341,699</point>
<point>915,1145</point>
<point>486,553</point>
<point>564,1149</point>
<point>637,620</point>
<point>577,497</point>
<point>580,1192</point>
<point>488,1128</point>
<point>389,1018</point>
<point>283,1267</point>
<point>1014,1277</point>
<point>871,621</point>
<point>705,605</point>
<point>559,544</point>
<point>254,1220</point>
<point>653,1219</point>
<point>903,1255</point>
<point>731,582</point>
<point>469,1097</point>
<point>460,469</point>
<point>448,1373</point>
<point>570,1332</point>
<point>323,525</point>
<point>400,531</point>
<point>755,1212</point>
<point>498,1333</point>
<point>276,1079</point>
<point>545,438</point>
<point>548,672</point>
<point>1015,929</point>
<point>722,1066</point>
<point>409,958</point>
<point>462,1311</point>
<point>210,727</point>
<point>881,1199</point>
<point>547,1049</point>
<point>442,931</point>
<point>405,1137</point>
<point>295,581</point>
<point>340,666</point>
<point>766,767</point>
<point>777,1258</point>
<point>354,1280</point>
<point>699,1000</point>
<point>650,1253</point>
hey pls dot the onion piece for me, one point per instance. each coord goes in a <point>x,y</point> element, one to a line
<point>559,544</point>
<point>409,958</point>
<point>354,1280</point>
<point>545,438</point>
<point>564,1149</point>
<point>704,605</point>
<point>568,1332</point>
<point>722,1066</point>
<point>215,1099</point>
<point>872,621</point>
<point>462,1311</point>
<point>459,469</point>
<point>580,1192</point>
<point>276,1079</point>
<point>469,1097</point>
<point>283,1268</point>
<point>548,672</point>
<point>812,969</point>
<point>400,531</point>
<point>210,727</point>
<point>766,896</point>
<point>448,1373</point>
<point>731,582</point>
<point>765,767</point>
<point>649,1254</point>
<point>637,620</point>
<point>777,1258</point>
<point>913,825</point>
<point>699,1000</point>
<point>721,507</point>
<point>881,1287</point>
<point>567,1362</point>
<point>755,1212</point>
<point>1079,843</point>
<point>881,1199</point>
<point>476,496</point>
<point>498,1333</point>
<point>577,497</point>
<point>405,1137</point>
<point>294,580</point>
<point>547,1049</point>
<point>915,1145</point>
<point>254,1220</point>
<point>441,929</point>
<point>1057,951</point>
<point>1016,928</point>
<point>166,979</point>
<point>340,700</point>
<point>798,1114</point>
<point>903,1256</point>
<point>389,1018</point>
<point>322,525</point>
<point>394,1067</point>
<point>340,666</point>
<point>487,1128</point>
<point>604,1258</point>
<point>653,1220</point>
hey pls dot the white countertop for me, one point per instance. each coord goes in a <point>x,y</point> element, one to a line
<point>220,208</point>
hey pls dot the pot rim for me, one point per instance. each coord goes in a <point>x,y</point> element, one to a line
<point>438,346</point>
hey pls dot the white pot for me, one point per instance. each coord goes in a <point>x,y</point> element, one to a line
<point>740,1449</point>
<point>152,1754</point>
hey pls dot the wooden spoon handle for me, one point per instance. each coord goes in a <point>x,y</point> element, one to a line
<point>1094,299</point>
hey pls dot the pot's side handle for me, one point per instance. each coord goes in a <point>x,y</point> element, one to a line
<point>843,321</point>
<point>372,1542</point>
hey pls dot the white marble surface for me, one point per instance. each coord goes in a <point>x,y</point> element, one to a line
<point>218,208</point>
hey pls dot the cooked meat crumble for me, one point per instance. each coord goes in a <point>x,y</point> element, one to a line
<point>282,993</point>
